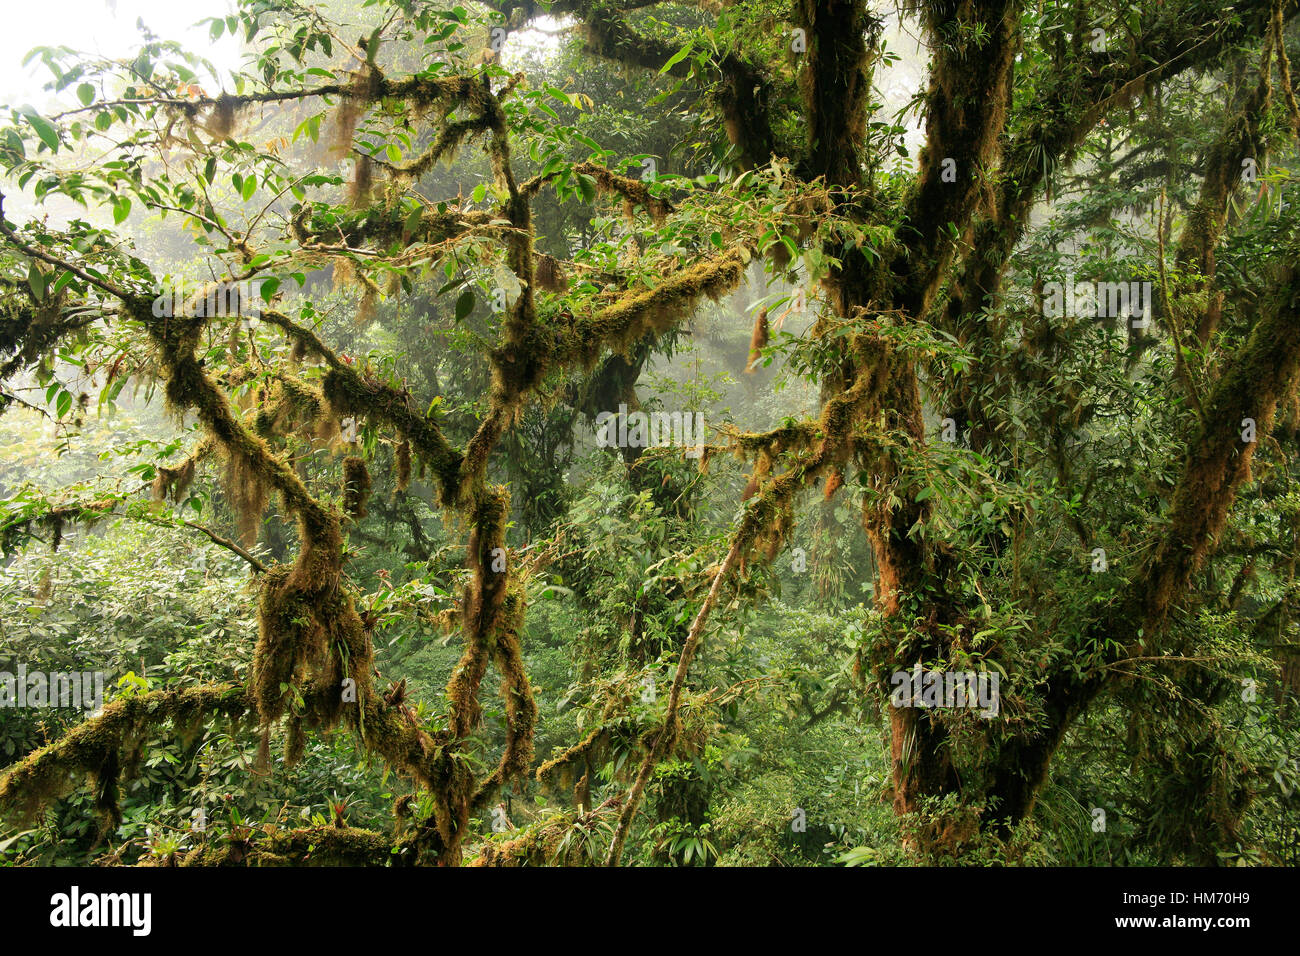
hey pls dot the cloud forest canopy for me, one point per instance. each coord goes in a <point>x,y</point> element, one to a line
<point>389,280</point>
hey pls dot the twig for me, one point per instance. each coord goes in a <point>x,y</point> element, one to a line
<point>229,545</point>
<point>226,543</point>
<point>674,700</point>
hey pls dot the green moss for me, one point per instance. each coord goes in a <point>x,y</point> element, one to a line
<point>100,748</point>
<point>313,846</point>
<point>356,487</point>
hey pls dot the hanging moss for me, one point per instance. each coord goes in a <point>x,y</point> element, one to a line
<point>221,121</point>
<point>402,462</point>
<point>758,338</point>
<point>359,190</point>
<point>106,790</point>
<point>173,481</point>
<point>366,86</point>
<point>549,274</point>
<point>356,488</point>
<point>247,494</point>
<point>833,484</point>
<point>369,304</point>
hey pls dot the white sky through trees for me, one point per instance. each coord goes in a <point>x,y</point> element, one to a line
<point>106,27</point>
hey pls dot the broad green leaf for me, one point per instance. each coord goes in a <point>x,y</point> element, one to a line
<point>677,57</point>
<point>36,280</point>
<point>464,304</point>
<point>49,136</point>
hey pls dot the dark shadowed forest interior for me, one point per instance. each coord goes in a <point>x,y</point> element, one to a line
<point>738,433</point>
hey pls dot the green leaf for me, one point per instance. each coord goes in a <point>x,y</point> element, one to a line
<point>269,286</point>
<point>412,223</point>
<point>36,280</point>
<point>464,304</point>
<point>121,209</point>
<point>45,130</point>
<point>86,93</point>
<point>677,57</point>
